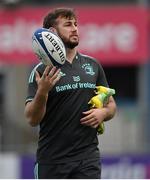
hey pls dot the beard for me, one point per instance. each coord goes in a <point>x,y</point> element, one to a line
<point>68,42</point>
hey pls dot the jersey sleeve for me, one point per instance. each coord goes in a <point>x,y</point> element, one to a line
<point>101,79</point>
<point>32,84</point>
<point>32,87</point>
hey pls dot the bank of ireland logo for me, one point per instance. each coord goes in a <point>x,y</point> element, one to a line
<point>76,78</point>
<point>88,69</point>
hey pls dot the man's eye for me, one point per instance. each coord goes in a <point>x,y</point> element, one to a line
<point>68,24</point>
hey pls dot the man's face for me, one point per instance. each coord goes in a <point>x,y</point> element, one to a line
<point>68,31</point>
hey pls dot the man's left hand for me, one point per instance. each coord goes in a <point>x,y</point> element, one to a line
<point>93,117</point>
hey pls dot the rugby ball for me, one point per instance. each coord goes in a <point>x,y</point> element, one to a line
<point>48,47</point>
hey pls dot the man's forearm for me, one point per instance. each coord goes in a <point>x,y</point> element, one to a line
<point>35,110</point>
<point>110,109</point>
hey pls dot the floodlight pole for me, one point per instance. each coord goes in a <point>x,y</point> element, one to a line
<point>144,92</point>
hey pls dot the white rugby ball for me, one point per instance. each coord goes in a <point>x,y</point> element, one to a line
<point>48,47</point>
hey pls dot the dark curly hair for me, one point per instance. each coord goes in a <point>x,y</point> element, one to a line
<point>50,18</point>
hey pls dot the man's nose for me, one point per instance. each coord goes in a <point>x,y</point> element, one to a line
<point>74,28</point>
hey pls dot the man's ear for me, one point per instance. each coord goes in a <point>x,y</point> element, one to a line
<point>53,29</point>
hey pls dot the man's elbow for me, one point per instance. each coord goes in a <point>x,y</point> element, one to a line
<point>32,121</point>
<point>114,109</point>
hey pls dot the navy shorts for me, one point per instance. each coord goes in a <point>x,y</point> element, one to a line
<point>81,169</point>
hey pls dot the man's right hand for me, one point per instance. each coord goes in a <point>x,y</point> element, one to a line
<point>49,78</point>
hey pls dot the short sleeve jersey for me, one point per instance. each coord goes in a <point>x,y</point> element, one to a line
<point>61,136</point>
